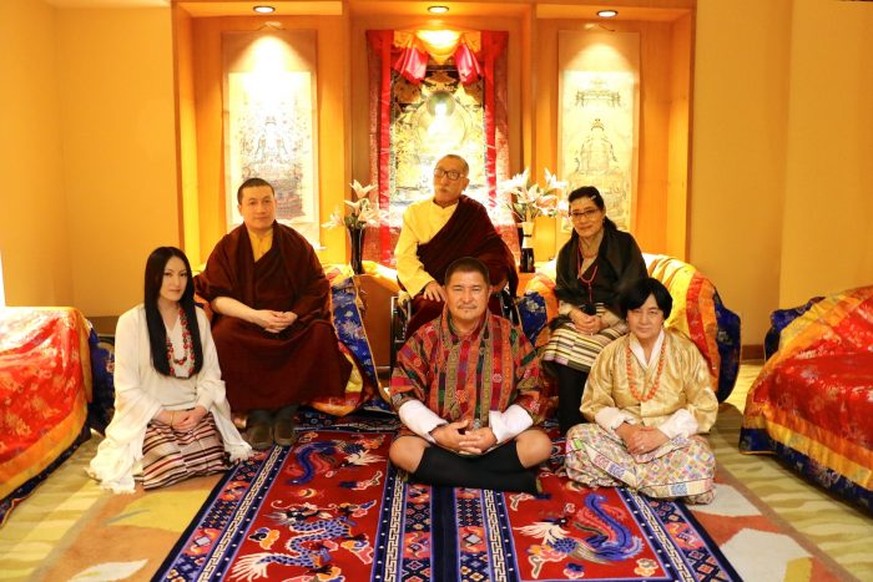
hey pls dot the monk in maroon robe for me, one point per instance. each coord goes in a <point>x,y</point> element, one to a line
<point>276,344</point>
<point>440,230</point>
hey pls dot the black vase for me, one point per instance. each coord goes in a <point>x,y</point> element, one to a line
<point>356,237</point>
<point>527,262</point>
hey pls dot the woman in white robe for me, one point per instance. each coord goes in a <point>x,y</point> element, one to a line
<point>650,397</point>
<point>172,420</point>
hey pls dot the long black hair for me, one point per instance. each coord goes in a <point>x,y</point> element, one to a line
<point>154,278</point>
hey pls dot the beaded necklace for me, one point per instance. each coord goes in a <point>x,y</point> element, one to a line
<point>646,394</point>
<point>187,349</point>
<point>588,282</point>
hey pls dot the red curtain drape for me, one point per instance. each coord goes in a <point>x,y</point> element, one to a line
<point>381,45</point>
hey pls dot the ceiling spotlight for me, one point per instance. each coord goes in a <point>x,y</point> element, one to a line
<point>607,13</point>
<point>264,9</point>
<point>437,9</point>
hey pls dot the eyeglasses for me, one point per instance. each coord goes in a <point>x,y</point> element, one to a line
<point>586,214</point>
<point>450,174</point>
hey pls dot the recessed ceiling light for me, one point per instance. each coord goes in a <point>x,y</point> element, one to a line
<point>607,13</point>
<point>437,9</point>
<point>264,9</point>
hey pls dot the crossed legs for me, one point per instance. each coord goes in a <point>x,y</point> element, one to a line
<point>505,468</point>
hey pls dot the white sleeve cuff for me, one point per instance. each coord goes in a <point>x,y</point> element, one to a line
<point>610,418</point>
<point>419,418</point>
<point>510,423</point>
<point>205,400</point>
<point>681,423</point>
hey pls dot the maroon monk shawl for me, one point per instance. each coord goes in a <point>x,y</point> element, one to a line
<point>469,233</point>
<point>262,369</point>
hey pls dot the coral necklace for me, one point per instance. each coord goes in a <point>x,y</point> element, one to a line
<point>187,348</point>
<point>649,392</point>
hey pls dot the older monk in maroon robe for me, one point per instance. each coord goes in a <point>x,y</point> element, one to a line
<point>276,344</point>
<point>439,230</point>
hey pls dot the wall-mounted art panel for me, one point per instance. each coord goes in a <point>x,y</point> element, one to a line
<point>598,116</point>
<point>270,123</point>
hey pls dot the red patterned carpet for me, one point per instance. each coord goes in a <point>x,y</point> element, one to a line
<point>332,509</point>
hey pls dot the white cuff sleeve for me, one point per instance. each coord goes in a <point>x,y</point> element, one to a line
<point>419,418</point>
<point>610,418</point>
<point>681,423</point>
<point>510,423</point>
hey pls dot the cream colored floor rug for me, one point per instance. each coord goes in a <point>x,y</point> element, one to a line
<point>824,523</point>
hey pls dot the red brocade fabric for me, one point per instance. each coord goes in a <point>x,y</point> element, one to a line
<point>45,383</point>
<point>811,403</point>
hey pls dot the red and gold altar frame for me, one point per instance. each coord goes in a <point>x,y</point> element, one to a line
<point>408,74</point>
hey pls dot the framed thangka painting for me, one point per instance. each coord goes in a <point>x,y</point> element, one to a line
<point>270,123</point>
<point>432,95</point>
<point>598,117</point>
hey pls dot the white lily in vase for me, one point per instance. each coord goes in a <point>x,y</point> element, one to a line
<point>361,212</point>
<point>528,201</point>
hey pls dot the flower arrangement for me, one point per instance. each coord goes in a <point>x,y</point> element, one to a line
<point>362,212</point>
<point>527,201</point>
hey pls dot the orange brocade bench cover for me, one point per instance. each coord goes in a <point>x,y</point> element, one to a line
<point>811,404</point>
<point>45,385</point>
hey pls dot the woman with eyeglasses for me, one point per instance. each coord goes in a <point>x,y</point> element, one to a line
<point>595,265</point>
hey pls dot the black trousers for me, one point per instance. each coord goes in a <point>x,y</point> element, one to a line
<point>499,470</point>
<point>571,384</point>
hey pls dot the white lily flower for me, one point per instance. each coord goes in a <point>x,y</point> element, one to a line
<point>517,182</point>
<point>335,219</point>
<point>527,201</point>
<point>355,206</point>
<point>370,215</point>
<point>547,201</point>
<point>553,183</point>
<point>531,195</point>
<point>361,191</point>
